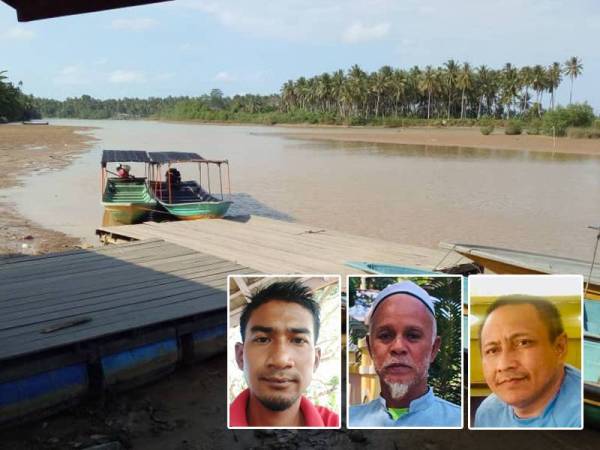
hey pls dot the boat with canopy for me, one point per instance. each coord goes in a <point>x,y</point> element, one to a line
<point>188,200</point>
<point>125,197</point>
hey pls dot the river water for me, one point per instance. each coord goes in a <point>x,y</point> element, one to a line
<point>405,193</point>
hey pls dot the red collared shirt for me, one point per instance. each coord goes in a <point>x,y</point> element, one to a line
<point>314,416</point>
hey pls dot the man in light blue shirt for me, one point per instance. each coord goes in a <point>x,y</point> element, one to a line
<point>524,347</point>
<point>403,342</point>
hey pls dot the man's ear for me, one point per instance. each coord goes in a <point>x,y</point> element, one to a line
<point>561,345</point>
<point>317,358</point>
<point>239,355</point>
<point>437,342</point>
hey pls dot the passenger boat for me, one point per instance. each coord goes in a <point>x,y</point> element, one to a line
<point>187,200</point>
<point>127,199</point>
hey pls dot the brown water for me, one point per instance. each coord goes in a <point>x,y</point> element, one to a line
<point>405,193</point>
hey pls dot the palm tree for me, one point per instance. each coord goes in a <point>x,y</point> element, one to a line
<point>450,79</point>
<point>554,78</point>
<point>573,68</point>
<point>398,87</point>
<point>464,82</point>
<point>428,84</point>
<point>483,85</point>
<point>539,83</point>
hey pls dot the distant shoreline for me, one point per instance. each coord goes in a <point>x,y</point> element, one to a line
<point>454,136</point>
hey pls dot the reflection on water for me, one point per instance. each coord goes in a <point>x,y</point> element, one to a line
<point>412,194</point>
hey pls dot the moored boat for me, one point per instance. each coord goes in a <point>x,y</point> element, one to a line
<point>126,198</point>
<point>507,261</point>
<point>187,200</point>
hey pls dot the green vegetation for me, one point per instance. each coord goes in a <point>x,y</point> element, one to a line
<point>14,105</point>
<point>561,118</point>
<point>487,126</point>
<point>450,95</point>
<point>513,127</point>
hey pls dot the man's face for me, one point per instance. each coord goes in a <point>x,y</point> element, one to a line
<point>520,363</point>
<point>278,356</point>
<point>402,345</point>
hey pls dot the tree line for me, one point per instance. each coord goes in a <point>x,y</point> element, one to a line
<point>452,90</point>
<point>14,104</point>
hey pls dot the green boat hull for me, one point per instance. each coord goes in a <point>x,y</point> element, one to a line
<point>197,210</point>
<point>127,201</point>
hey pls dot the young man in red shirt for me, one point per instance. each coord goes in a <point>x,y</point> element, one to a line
<point>278,354</point>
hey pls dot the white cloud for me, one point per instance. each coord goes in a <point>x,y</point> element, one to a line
<point>134,24</point>
<point>126,76</point>
<point>17,34</point>
<point>72,75</point>
<point>357,32</point>
<point>224,77</point>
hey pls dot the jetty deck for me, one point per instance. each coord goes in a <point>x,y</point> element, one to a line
<point>61,299</point>
<point>274,246</point>
<point>84,321</point>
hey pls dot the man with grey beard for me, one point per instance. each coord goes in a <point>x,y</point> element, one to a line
<point>403,342</point>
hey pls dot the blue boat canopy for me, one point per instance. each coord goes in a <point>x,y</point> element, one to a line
<point>121,156</point>
<point>171,157</point>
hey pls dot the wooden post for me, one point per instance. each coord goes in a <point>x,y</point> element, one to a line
<point>169,181</point>
<point>221,181</point>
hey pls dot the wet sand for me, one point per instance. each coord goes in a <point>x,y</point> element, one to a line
<point>446,137</point>
<point>27,149</point>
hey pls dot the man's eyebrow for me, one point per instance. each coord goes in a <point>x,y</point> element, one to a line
<point>299,330</point>
<point>261,328</point>
<point>520,334</point>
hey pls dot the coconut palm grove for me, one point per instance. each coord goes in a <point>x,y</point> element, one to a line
<point>518,98</point>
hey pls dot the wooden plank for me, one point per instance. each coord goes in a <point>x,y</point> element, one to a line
<point>101,300</point>
<point>330,245</point>
<point>157,314</point>
<point>99,261</point>
<point>92,285</point>
<point>38,290</point>
<point>344,253</point>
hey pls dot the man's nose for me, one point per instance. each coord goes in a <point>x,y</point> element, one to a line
<point>398,345</point>
<point>280,356</point>
<point>507,360</point>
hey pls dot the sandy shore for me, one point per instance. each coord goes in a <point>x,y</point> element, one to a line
<point>27,149</point>
<point>446,137</point>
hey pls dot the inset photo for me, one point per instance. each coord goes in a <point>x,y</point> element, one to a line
<point>525,351</point>
<point>405,351</point>
<point>283,351</point>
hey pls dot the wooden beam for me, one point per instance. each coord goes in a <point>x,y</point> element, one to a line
<point>28,10</point>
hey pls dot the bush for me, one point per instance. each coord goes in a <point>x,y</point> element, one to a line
<point>597,124</point>
<point>486,129</point>
<point>513,127</point>
<point>577,115</point>
<point>534,127</point>
<point>583,133</point>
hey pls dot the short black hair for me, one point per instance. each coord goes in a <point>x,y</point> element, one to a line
<point>286,291</point>
<point>547,311</point>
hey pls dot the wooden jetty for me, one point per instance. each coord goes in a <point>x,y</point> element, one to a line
<point>82,321</point>
<point>274,246</point>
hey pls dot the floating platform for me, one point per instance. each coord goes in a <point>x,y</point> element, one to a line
<point>80,322</point>
<point>277,247</point>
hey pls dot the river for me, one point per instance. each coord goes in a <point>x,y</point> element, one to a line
<point>405,193</point>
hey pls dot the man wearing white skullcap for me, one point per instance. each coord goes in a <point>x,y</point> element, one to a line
<point>403,342</point>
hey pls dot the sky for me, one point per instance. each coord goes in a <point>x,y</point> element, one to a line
<point>188,47</point>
